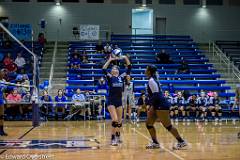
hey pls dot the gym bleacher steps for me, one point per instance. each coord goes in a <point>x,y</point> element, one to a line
<point>230,80</point>
<point>46,62</point>
<point>59,70</point>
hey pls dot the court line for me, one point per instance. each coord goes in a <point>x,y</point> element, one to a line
<point>19,138</point>
<point>167,150</point>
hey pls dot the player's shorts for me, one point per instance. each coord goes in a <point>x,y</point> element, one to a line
<point>117,102</point>
<point>161,103</point>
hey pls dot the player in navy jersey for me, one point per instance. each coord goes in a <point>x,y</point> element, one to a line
<point>159,109</point>
<point>168,97</point>
<point>192,106</point>
<point>116,83</point>
<point>214,105</point>
<point>202,102</point>
<point>179,103</point>
<point>2,97</point>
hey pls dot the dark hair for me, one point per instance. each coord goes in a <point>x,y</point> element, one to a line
<point>153,70</point>
<point>59,91</point>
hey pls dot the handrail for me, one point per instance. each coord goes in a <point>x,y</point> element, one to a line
<point>52,66</point>
<point>231,68</point>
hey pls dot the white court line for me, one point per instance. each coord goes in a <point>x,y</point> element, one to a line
<point>172,153</point>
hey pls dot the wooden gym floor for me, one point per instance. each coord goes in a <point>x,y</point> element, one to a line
<point>206,141</point>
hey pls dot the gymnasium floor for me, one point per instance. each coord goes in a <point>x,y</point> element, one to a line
<point>91,139</point>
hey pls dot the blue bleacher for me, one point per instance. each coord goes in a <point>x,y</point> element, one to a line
<point>143,49</point>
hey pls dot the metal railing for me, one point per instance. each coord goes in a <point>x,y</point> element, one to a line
<point>52,66</point>
<point>232,70</point>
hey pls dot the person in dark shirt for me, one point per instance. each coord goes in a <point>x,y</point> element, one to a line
<point>192,106</point>
<point>202,102</point>
<point>116,83</point>
<point>184,68</point>
<point>214,106</point>
<point>142,105</point>
<point>163,58</point>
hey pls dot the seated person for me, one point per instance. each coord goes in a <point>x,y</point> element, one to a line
<point>13,103</point>
<point>178,105</point>
<point>163,58</point>
<point>75,62</point>
<point>7,60</point>
<point>27,108</point>
<point>184,68</point>
<point>79,100</point>
<point>60,107</point>
<point>192,106</point>
<point>20,61</point>
<point>102,89</point>
<point>102,86</point>
<point>46,107</point>
<point>84,57</point>
<point>107,49</point>
<point>28,67</point>
<point>142,105</point>
<point>9,64</point>
<point>168,97</point>
<point>214,106</point>
<point>202,102</point>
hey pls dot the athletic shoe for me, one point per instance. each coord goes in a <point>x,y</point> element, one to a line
<point>118,139</point>
<point>114,142</point>
<point>2,133</point>
<point>153,145</point>
<point>180,145</point>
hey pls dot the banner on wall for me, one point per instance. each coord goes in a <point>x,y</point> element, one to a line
<point>89,32</point>
<point>21,31</point>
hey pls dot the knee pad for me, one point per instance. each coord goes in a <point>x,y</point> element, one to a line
<point>213,110</point>
<point>220,110</point>
<point>119,125</point>
<point>149,126</point>
<point>169,127</point>
<point>114,124</point>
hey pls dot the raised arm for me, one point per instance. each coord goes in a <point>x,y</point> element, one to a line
<point>105,66</point>
<point>126,60</point>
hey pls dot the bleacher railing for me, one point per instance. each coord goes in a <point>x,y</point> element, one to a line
<point>232,70</point>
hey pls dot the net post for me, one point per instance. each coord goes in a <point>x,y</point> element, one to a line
<point>35,109</point>
<point>35,116</point>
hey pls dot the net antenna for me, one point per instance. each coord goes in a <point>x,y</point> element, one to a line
<point>35,60</point>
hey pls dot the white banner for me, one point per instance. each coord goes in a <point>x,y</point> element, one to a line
<point>89,32</point>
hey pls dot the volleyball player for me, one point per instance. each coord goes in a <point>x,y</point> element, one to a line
<point>214,106</point>
<point>2,88</point>
<point>179,103</point>
<point>159,109</point>
<point>115,82</point>
<point>128,97</point>
<point>202,102</point>
<point>192,106</point>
